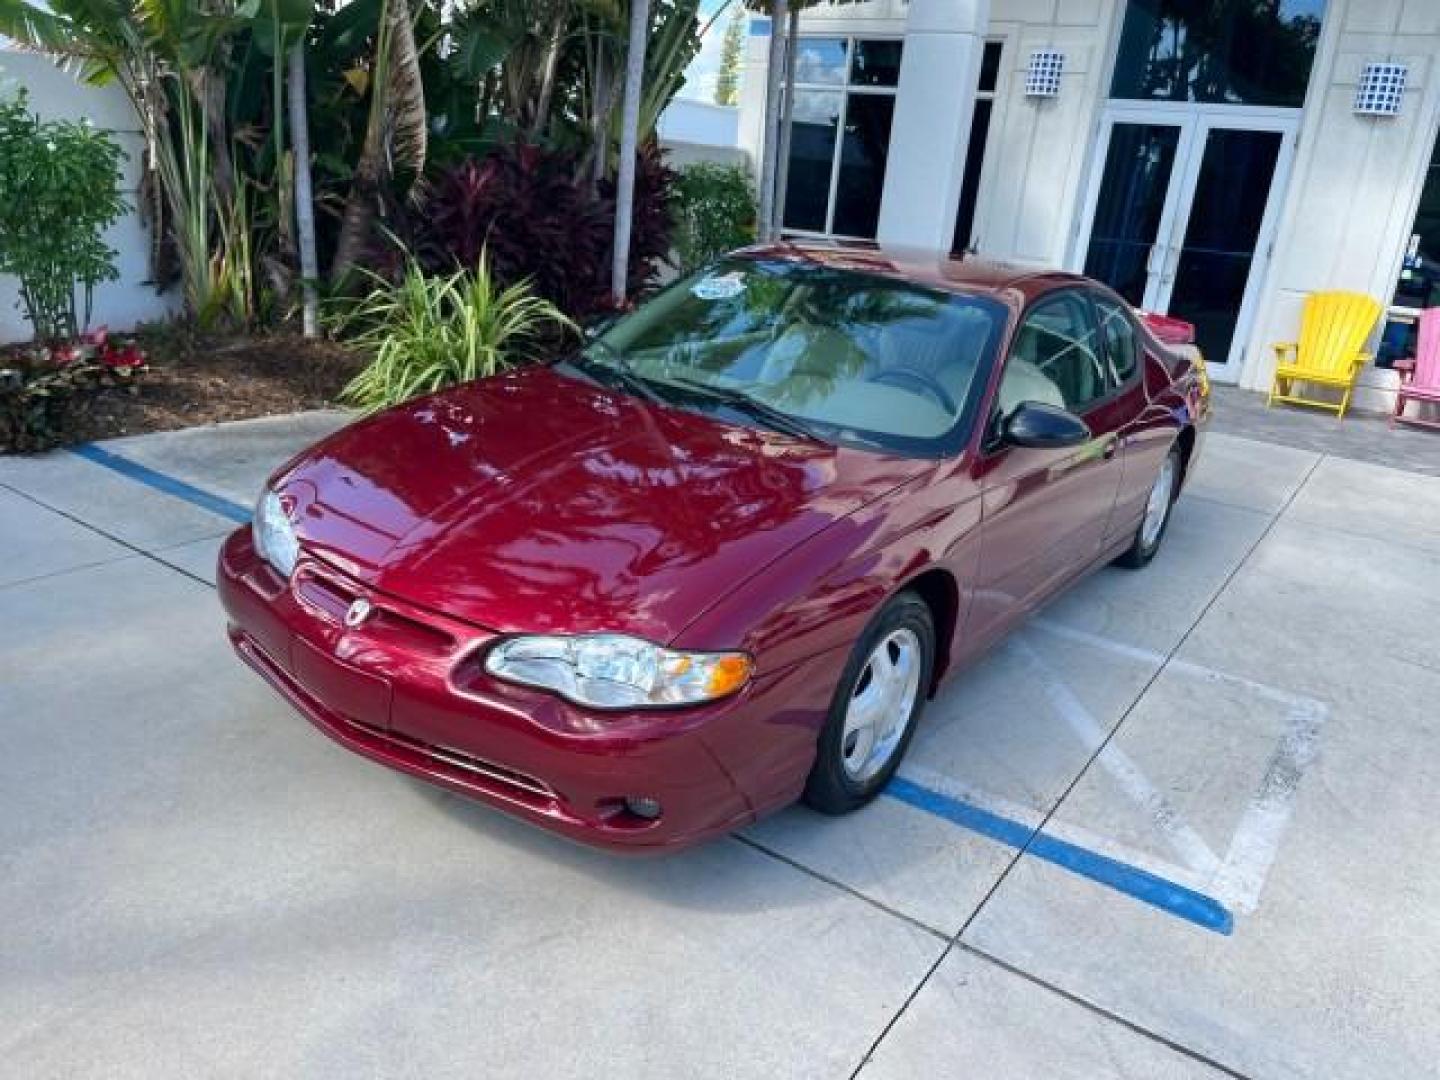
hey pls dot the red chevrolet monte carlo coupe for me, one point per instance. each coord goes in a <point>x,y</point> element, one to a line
<point>718,558</point>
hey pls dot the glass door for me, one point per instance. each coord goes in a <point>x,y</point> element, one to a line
<point>1212,255</point>
<point>1181,213</point>
<point>1133,207</point>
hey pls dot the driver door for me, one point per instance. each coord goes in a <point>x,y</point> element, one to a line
<point>1044,511</point>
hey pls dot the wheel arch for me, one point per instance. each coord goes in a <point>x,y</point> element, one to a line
<point>1186,442</point>
<point>941,593</point>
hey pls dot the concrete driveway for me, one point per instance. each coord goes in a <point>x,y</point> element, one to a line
<point>1181,825</point>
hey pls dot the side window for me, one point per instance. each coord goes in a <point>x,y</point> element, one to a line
<point>1056,357</point>
<point>1118,333</point>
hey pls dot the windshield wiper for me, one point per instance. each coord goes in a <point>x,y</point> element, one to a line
<point>619,367</point>
<point>766,413</point>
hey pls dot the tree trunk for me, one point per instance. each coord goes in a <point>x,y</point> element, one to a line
<point>547,73</point>
<point>304,200</point>
<point>208,91</point>
<point>787,118</point>
<point>359,215</point>
<point>629,140</point>
<point>601,101</point>
<point>770,149</point>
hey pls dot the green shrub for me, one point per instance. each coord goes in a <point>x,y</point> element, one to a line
<point>428,333</point>
<point>714,207</point>
<point>58,195</point>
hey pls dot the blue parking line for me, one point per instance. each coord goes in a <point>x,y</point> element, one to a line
<point>169,485</point>
<point>1132,881</point>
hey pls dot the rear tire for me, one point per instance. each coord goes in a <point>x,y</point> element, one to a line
<point>876,707</point>
<point>1158,505</point>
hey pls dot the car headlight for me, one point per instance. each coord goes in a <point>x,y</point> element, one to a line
<point>275,537</point>
<point>615,671</point>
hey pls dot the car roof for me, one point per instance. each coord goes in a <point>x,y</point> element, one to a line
<point>1013,283</point>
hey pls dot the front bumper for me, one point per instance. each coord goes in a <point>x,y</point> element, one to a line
<point>406,688</point>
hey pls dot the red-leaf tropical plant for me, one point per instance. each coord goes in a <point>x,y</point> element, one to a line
<point>43,385</point>
<point>543,221</point>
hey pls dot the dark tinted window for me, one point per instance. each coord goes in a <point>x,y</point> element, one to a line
<point>970,185</point>
<point>990,66</point>
<point>1419,284</point>
<point>877,63</point>
<point>862,164</point>
<point>1138,168</point>
<point>1056,357</point>
<point>1250,52</point>
<point>812,156</point>
<point>1118,334</point>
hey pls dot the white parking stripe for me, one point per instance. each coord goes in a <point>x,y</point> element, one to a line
<point>1257,838</point>
<point>1168,821</point>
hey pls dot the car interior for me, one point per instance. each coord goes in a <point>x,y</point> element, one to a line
<point>878,359</point>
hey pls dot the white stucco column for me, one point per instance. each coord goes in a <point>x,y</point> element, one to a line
<point>934,105</point>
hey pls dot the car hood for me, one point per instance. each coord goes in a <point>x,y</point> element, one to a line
<point>537,502</point>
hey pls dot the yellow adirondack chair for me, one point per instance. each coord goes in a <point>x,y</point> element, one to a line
<point>1333,330</point>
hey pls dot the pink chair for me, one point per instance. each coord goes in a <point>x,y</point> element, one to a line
<point>1420,377</point>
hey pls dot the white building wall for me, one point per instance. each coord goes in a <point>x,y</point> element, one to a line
<point>756,62</point>
<point>1351,202</point>
<point>1038,151</point>
<point>700,122</point>
<point>1344,218</point>
<point>56,95</point>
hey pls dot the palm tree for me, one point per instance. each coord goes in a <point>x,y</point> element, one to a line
<point>304,199</point>
<point>395,131</point>
<point>629,146</point>
<point>770,145</point>
<point>284,24</point>
<point>784,28</point>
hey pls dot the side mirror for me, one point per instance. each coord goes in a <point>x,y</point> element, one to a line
<point>1035,424</point>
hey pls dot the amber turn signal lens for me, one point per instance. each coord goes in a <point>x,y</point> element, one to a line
<point>728,674</point>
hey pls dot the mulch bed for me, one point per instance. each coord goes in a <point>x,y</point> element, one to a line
<point>197,380</point>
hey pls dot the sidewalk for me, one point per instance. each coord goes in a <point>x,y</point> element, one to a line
<point>1360,436</point>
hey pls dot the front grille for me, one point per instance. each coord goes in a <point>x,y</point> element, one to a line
<point>512,780</point>
<point>326,592</point>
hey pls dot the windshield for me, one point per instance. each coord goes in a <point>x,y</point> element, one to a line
<point>836,354</point>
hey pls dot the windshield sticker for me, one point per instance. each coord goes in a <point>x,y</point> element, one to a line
<point>719,287</point>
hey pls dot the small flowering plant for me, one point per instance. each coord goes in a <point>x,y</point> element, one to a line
<point>40,385</point>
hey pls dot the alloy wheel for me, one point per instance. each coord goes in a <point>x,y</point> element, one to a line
<point>1157,506</point>
<point>880,705</point>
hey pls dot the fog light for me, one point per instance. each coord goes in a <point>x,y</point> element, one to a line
<point>642,806</point>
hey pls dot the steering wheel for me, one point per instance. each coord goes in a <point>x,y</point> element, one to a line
<point>911,378</point>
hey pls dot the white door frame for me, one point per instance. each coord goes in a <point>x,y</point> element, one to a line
<point>1195,123</point>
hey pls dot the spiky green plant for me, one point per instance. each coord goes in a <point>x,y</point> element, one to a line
<point>428,333</point>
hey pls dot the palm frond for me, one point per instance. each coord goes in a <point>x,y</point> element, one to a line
<point>38,29</point>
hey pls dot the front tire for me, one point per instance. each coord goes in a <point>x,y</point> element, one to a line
<point>1158,505</point>
<point>876,707</point>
